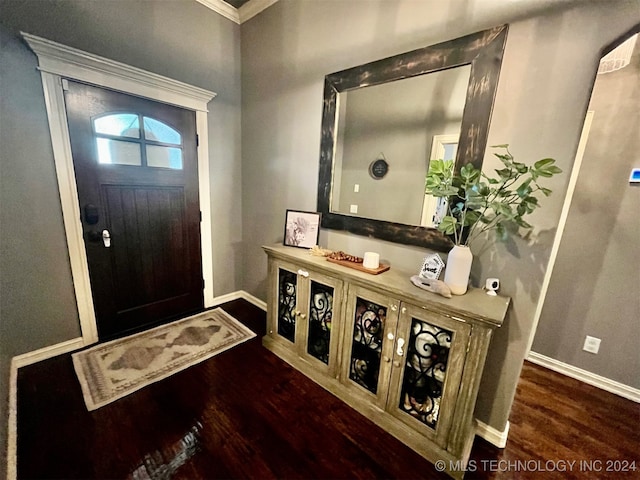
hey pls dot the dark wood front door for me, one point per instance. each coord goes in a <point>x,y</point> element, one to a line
<point>136,171</point>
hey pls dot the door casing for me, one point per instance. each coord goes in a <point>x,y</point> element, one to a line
<point>58,62</point>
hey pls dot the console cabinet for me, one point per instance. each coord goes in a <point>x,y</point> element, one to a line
<point>409,360</point>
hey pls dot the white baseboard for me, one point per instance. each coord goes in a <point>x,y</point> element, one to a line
<point>492,435</point>
<point>45,353</point>
<point>603,383</point>
<point>240,294</point>
<point>12,428</point>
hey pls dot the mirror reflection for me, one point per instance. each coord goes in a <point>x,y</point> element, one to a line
<point>380,122</point>
<point>404,122</point>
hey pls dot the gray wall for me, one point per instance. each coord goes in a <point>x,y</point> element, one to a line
<point>595,285</point>
<point>551,55</point>
<point>402,130</point>
<point>179,39</point>
<point>552,52</point>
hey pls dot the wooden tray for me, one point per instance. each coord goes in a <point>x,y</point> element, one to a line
<point>358,266</point>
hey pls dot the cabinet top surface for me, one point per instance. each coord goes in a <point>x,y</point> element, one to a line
<point>475,304</point>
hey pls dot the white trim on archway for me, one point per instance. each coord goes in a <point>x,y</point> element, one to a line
<point>58,61</point>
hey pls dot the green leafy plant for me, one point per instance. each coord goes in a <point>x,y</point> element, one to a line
<point>478,203</point>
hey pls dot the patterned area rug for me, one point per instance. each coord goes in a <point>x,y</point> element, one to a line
<point>112,370</point>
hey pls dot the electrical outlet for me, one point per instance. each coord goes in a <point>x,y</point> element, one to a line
<point>353,209</point>
<point>591,344</point>
<point>356,188</point>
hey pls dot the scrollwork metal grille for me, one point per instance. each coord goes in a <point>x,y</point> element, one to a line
<point>287,282</point>
<point>368,330</point>
<point>425,371</point>
<point>320,314</point>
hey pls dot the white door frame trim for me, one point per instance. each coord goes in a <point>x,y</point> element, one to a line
<point>55,62</point>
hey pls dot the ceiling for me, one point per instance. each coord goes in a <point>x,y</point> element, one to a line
<point>237,10</point>
<point>236,3</point>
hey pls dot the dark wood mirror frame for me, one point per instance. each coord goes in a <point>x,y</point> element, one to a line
<point>483,51</point>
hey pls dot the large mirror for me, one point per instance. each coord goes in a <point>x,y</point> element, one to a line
<point>383,122</point>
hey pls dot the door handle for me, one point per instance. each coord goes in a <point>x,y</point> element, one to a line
<point>106,238</point>
<point>400,350</point>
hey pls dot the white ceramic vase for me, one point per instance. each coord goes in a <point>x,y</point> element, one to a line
<point>456,275</point>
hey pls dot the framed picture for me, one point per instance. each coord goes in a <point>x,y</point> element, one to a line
<point>301,229</point>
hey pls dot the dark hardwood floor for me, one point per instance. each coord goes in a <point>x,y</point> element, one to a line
<point>246,414</point>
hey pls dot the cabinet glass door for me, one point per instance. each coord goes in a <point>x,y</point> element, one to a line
<point>320,316</point>
<point>425,370</point>
<point>319,320</point>
<point>287,297</point>
<point>370,319</point>
<point>428,361</point>
<point>366,343</point>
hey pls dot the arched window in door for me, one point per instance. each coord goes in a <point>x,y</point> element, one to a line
<point>121,140</point>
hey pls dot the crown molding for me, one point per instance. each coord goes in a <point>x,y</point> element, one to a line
<point>70,62</point>
<point>238,15</point>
